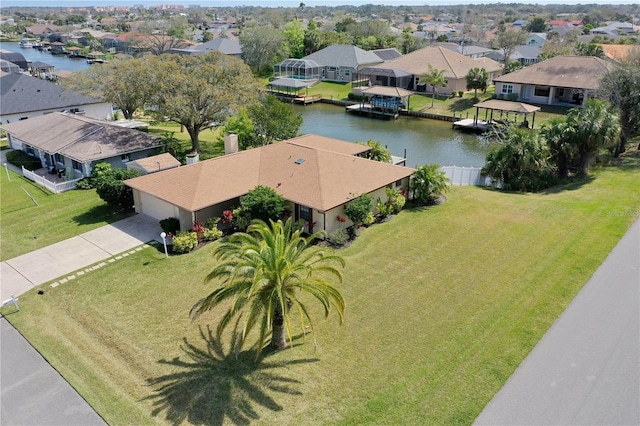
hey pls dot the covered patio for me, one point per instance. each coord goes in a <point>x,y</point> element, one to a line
<point>383,101</point>
<point>288,89</point>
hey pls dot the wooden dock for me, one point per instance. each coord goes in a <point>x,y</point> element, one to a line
<point>307,99</point>
<point>369,109</point>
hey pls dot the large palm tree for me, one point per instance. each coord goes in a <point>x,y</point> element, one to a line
<point>436,79</point>
<point>263,271</point>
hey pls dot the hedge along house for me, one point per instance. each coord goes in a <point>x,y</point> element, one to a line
<point>74,144</point>
<point>316,176</point>
<point>561,80</point>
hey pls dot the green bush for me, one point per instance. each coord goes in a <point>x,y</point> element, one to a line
<point>369,219</point>
<point>110,188</point>
<point>299,224</point>
<point>22,159</point>
<point>263,203</point>
<point>85,183</point>
<point>339,237</point>
<point>212,223</point>
<point>358,208</point>
<point>185,241</point>
<point>170,225</point>
<point>211,234</point>
<point>460,93</point>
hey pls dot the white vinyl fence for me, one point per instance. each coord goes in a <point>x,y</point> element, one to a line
<point>469,176</point>
<point>56,188</point>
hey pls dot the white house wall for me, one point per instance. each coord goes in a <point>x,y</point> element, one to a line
<point>100,111</point>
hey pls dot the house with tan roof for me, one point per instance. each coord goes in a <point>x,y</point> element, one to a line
<point>75,144</point>
<point>316,175</point>
<point>618,52</point>
<point>562,80</point>
<point>455,68</point>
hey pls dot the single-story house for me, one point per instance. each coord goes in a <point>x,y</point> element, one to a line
<point>227,46</point>
<point>562,80</point>
<point>24,96</point>
<point>316,175</point>
<point>455,68</point>
<point>76,144</point>
<point>338,62</point>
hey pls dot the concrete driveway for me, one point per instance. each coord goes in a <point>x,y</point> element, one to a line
<point>25,272</point>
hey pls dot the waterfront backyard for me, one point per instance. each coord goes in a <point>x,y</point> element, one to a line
<point>443,303</point>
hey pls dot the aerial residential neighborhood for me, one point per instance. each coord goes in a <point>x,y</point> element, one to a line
<point>385,213</point>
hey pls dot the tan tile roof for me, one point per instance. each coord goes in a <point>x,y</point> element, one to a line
<point>329,144</point>
<point>157,163</point>
<point>453,64</point>
<point>316,178</point>
<point>80,138</point>
<point>577,72</point>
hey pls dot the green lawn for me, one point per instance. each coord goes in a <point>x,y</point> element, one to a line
<point>25,226</point>
<point>209,145</point>
<point>330,90</point>
<point>443,304</point>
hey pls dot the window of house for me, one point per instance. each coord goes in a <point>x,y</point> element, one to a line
<point>507,88</point>
<point>76,165</point>
<point>124,157</point>
<point>59,159</point>
<point>332,69</point>
<point>305,213</point>
<point>398,183</point>
<point>347,72</point>
<point>561,92</point>
<point>541,91</point>
<point>30,150</point>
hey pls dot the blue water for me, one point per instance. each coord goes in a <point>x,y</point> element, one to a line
<point>61,62</point>
<point>425,141</point>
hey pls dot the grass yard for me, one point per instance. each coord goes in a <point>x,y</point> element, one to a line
<point>25,226</point>
<point>330,90</point>
<point>209,145</point>
<point>443,304</point>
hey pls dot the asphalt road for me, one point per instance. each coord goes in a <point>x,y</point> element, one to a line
<point>586,369</point>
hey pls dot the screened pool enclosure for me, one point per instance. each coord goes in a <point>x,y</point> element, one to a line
<point>302,69</point>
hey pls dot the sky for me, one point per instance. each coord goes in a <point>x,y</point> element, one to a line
<point>287,3</point>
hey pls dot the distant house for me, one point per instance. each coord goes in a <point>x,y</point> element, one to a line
<point>333,63</point>
<point>618,52</point>
<point>24,96</point>
<point>562,80</point>
<point>526,55</point>
<point>76,144</point>
<point>316,176</point>
<point>473,52</point>
<point>227,46</point>
<point>536,39</point>
<point>408,69</point>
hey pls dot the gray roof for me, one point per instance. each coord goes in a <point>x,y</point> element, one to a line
<point>387,54</point>
<point>41,65</point>
<point>525,51</point>
<point>23,93</point>
<point>223,45</point>
<point>80,138</point>
<point>342,55</point>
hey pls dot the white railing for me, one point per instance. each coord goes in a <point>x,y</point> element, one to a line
<point>466,176</point>
<point>56,188</point>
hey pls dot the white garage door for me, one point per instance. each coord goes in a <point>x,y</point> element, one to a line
<point>158,209</point>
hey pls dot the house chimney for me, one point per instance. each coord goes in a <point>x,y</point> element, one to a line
<point>230,143</point>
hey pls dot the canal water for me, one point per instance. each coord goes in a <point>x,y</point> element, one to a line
<point>425,141</point>
<point>61,62</point>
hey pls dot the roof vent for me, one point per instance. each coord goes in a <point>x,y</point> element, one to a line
<point>300,161</point>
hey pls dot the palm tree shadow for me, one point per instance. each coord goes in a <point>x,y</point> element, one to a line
<point>213,385</point>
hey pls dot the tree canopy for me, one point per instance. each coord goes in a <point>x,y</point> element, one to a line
<point>199,91</point>
<point>478,78</point>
